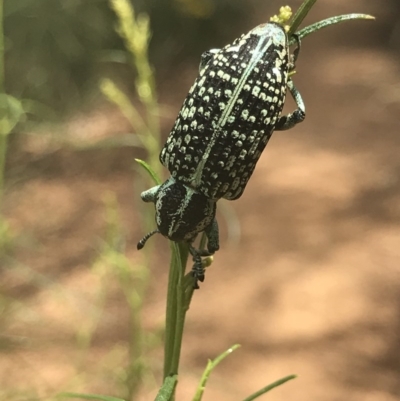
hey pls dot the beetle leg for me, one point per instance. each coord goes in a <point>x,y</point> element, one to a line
<point>290,120</point>
<point>212,233</point>
<point>296,52</point>
<point>150,194</point>
<point>198,268</point>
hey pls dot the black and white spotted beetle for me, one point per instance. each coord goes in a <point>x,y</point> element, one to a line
<point>224,125</point>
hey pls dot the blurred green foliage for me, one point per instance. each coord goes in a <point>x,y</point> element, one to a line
<point>56,50</point>
<point>52,47</point>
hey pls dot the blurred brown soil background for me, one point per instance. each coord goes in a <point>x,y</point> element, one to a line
<point>313,285</point>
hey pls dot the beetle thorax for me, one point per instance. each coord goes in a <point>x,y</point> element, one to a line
<point>182,212</point>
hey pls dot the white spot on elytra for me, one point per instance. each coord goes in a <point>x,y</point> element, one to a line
<point>243,154</point>
<point>192,111</point>
<point>277,72</point>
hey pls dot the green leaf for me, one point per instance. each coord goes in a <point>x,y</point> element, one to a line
<point>167,389</point>
<point>90,397</point>
<point>176,308</point>
<point>152,174</point>
<point>330,21</point>
<point>269,387</point>
<point>209,368</point>
<point>11,112</point>
<point>301,13</point>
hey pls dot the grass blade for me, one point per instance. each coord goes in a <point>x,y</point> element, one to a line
<point>269,387</point>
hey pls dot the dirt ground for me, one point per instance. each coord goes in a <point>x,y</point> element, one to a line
<point>312,286</point>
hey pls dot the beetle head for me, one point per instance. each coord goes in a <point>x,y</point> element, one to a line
<point>181,212</point>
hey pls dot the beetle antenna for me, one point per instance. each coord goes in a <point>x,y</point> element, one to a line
<point>143,241</point>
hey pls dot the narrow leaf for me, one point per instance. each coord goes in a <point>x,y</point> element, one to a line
<point>152,174</point>
<point>269,387</point>
<point>167,389</point>
<point>330,21</point>
<point>209,368</point>
<point>301,13</point>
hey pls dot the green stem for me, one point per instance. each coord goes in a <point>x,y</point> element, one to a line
<point>301,13</point>
<point>211,365</point>
<point>170,316</point>
<point>331,21</point>
<point>176,310</point>
<point>269,387</point>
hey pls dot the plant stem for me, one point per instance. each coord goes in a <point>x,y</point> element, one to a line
<point>176,309</point>
<point>331,21</point>
<point>269,387</point>
<point>301,13</point>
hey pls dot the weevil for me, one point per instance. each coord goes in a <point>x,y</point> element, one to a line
<point>224,124</point>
